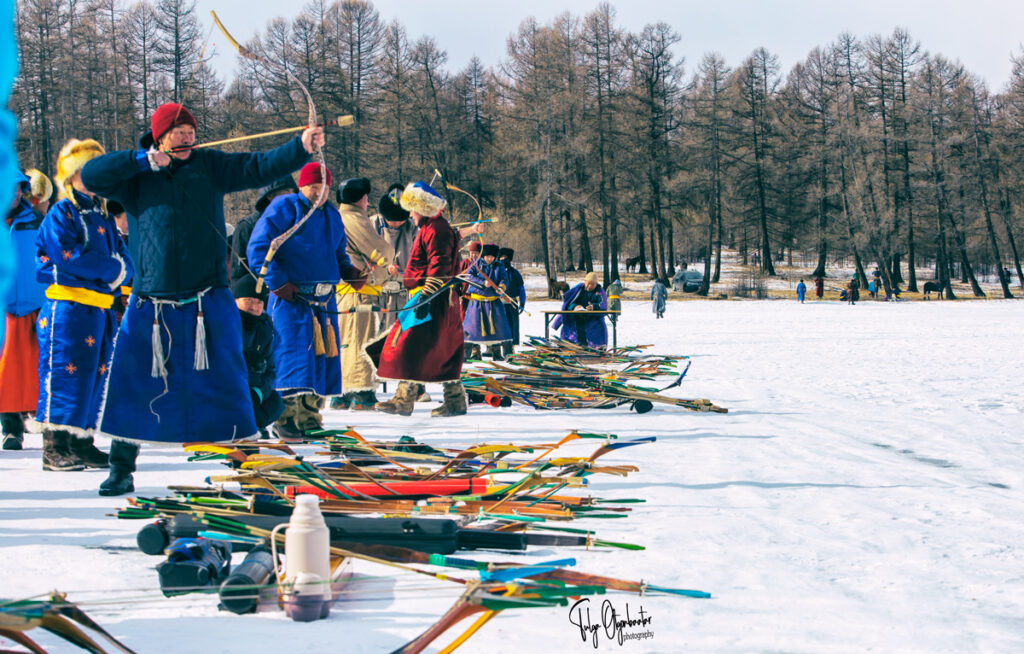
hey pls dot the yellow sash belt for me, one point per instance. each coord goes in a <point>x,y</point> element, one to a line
<point>367,289</point>
<point>80,295</point>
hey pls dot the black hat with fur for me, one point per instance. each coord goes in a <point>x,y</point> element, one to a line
<point>389,207</point>
<point>283,185</point>
<point>352,190</point>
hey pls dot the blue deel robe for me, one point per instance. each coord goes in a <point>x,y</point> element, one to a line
<point>82,256</point>
<point>587,330</point>
<point>313,255</point>
<point>185,380</point>
<point>516,289</point>
<point>485,322</point>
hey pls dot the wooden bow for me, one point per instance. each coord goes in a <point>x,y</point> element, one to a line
<point>278,241</point>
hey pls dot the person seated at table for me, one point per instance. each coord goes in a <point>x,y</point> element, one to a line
<point>585,329</point>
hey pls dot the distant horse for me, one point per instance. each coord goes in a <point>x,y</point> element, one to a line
<point>556,289</point>
<point>930,287</point>
<point>633,263</point>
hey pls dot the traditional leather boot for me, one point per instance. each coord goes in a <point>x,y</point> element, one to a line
<point>86,452</point>
<point>341,402</point>
<point>57,453</point>
<point>308,416</point>
<point>363,401</point>
<point>403,401</point>
<point>13,429</point>
<point>122,464</point>
<point>301,416</point>
<point>454,401</point>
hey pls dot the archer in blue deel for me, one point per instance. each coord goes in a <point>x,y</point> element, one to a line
<point>177,372</point>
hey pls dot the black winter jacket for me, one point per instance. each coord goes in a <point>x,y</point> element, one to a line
<point>176,214</point>
<point>258,350</point>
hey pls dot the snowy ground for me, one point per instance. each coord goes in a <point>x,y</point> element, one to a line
<point>864,493</point>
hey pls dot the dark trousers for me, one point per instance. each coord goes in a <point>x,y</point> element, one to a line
<point>12,423</point>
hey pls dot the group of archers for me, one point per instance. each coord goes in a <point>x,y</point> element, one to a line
<point>134,317</point>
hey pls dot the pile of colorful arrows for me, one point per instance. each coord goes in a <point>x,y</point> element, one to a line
<point>409,505</point>
<point>556,374</point>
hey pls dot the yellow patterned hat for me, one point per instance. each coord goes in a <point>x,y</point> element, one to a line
<point>73,156</point>
<point>422,199</point>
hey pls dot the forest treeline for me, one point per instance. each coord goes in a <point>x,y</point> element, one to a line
<point>588,144</point>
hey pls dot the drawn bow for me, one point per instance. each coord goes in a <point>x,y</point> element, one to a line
<point>312,120</point>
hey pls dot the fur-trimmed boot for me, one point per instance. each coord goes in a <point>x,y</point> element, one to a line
<point>57,452</point>
<point>301,414</point>
<point>403,401</point>
<point>122,464</point>
<point>84,449</point>
<point>454,401</point>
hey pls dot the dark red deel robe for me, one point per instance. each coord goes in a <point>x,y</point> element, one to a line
<point>432,351</point>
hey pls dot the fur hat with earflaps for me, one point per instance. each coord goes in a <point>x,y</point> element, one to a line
<point>72,157</point>
<point>40,187</point>
<point>419,197</point>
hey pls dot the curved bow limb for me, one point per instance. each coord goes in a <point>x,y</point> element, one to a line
<point>278,241</point>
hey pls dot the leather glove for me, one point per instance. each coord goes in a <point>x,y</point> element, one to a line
<point>431,285</point>
<point>287,292</point>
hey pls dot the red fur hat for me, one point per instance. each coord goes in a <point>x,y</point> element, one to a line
<point>167,117</point>
<point>310,174</point>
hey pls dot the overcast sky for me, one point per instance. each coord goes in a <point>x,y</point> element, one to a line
<point>982,34</point>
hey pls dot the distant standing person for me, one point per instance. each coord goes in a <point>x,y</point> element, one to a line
<point>801,290</point>
<point>819,287</point>
<point>659,294</point>
<point>517,290</point>
<point>853,291</point>
<point>19,361</point>
<point>614,292</point>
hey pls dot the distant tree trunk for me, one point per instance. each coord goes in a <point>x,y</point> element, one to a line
<point>544,247</point>
<point>965,262</point>
<point>564,234</point>
<point>640,247</point>
<point>586,256</point>
<point>718,247</point>
<point>983,188</point>
<point>1006,211</point>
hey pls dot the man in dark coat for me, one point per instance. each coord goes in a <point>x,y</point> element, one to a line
<point>516,290</point>
<point>240,267</point>
<point>165,384</point>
